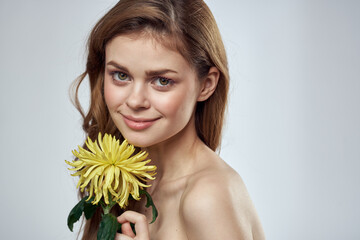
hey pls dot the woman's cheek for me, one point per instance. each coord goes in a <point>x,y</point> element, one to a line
<point>107,92</point>
<point>112,96</point>
<point>177,105</point>
<point>167,104</point>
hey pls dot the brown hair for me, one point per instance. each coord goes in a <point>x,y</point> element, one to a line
<point>189,27</point>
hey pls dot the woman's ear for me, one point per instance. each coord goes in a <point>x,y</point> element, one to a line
<point>208,84</point>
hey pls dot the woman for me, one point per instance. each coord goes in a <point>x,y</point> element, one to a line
<point>159,78</point>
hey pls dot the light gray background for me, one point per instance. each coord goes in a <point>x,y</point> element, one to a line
<point>292,132</point>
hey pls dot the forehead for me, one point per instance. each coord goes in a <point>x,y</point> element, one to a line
<point>144,50</point>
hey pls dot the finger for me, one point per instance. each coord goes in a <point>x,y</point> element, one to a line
<point>140,221</point>
<point>127,230</point>
<point>120,236</point>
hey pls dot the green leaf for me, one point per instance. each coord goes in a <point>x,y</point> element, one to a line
<point>89,208</point>
<point>119,228</point>
<point>149,202</point>
<point>132,225</point>
<point>75,213</point>
<point>108,227</point>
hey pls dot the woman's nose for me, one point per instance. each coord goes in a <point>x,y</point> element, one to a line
<point>138,97</point>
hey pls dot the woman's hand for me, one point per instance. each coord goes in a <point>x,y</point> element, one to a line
<point>141,226</point>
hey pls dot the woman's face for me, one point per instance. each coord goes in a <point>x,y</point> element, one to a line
<point>150,90</point>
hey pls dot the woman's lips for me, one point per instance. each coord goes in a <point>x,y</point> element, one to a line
<point>138,123</point>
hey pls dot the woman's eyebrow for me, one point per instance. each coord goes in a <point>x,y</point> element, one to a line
<point>118,66</point>
<point>159,72</point>
<point>148,73</point>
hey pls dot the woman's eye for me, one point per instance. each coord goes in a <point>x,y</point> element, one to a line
<point>120,76</point>
<point>161,81</point>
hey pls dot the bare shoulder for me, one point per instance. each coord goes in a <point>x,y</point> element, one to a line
<point>216,205</point>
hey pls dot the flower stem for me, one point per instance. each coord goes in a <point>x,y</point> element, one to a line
<point>107,207</point>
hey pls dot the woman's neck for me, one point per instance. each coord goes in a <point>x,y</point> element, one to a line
<point>176,157</point>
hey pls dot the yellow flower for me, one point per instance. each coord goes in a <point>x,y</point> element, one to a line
<point>110,168</point>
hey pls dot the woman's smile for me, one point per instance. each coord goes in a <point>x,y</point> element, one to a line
<point>137,123</point>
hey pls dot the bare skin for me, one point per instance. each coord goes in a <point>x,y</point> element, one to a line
<point>197,194</point>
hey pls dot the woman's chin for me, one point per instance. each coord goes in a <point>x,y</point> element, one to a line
<point>139,143</point>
